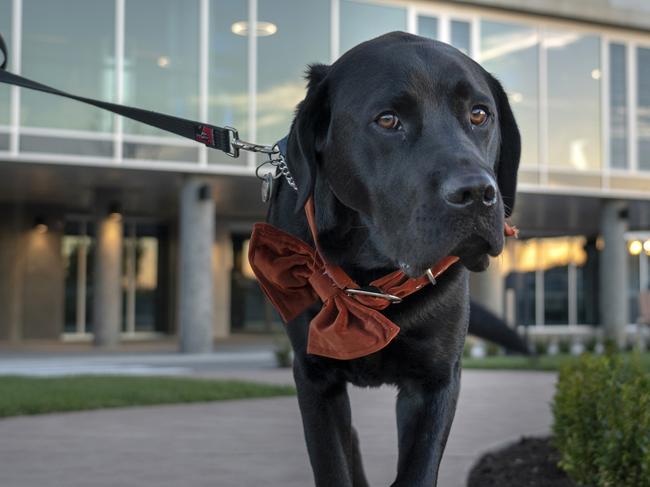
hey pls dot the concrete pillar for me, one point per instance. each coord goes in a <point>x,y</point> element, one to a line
<point>222,262</point>
<point>487,288</point>
<point>196,289</point>
<point>107,297</point>
<point>613,272</point>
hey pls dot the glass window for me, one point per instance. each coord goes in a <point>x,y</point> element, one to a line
<point>302,37</point>
<point>573,100</point>
<point>5,91</point>
<point>161,59</point>
<point>510,52</point>
<point>69,44</point>
<point>363,21</point>
<point>523,284</point>
<point>556,296</point>
<point>228,71</point>
<point>460,36</point>
<point>587,287</point>
<point>643,108</point>
<point>428,26</point>
<point>618,106</point>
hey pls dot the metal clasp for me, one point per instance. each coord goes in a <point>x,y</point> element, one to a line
<point>236,145</point>
<point>388,297</point>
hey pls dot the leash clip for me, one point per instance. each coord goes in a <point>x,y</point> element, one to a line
<point>388,297</point>
<point>236,144</point>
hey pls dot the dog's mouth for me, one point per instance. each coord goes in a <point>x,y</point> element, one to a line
<point>473,253</point>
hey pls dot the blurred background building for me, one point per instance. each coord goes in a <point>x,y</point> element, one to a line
<point>113,230</point>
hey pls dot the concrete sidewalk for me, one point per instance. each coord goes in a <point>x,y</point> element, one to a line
<point>254,443</point>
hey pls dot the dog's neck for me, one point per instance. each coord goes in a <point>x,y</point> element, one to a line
<point>343,237</point>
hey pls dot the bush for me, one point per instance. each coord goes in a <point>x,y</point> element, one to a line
<point>602,422</point>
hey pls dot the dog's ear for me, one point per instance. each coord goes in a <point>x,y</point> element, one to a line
<point>308,133</point>
<point>510,147</point>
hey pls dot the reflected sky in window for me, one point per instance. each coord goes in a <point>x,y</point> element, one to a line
<point>302,38</point>
<point>460,36</point>
<point>363,21</point>
<point>428,26</point>
<point>161,59</point>
<point>74,56</point>
<point>573,100</point>
<point>5,91</point>
<point>228,72</point>
<point>643,108</point>
<point>618,106</point>
<point>510,52</point>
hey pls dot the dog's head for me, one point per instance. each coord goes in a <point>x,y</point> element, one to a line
<point>412,141</point>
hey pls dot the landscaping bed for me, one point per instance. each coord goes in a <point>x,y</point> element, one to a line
<point>530,462</point>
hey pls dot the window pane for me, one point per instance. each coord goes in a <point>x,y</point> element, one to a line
<point>460,36</point>
<point>587,287</point>
<point>643,117</point>
<point>523,284</point>
<point>510,52</point>
<point>228,82</point>
<point>618,105</point>
<point>573,100</point>
<point>302,38</point>
<point>428,26</point>
<point>5,91</point>
<point>69,44</point>
<point>363,21</point>
<point>161,65</point>
<point>556,296</point>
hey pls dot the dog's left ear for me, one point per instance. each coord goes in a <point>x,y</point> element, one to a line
<point>308,133</point>
<point>510,147</point>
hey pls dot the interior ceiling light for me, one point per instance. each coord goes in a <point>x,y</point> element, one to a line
<point>262,29</point>
<point>163,61</point>
<point>635,247</point>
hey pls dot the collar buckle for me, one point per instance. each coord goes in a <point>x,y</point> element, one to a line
<point>374,294</point>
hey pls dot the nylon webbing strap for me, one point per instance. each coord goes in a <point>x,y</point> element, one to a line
<point>210,135</point>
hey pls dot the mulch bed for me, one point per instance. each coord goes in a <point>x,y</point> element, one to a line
<point>531,462</point>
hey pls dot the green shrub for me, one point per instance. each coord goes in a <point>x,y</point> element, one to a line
<point>602,422</point>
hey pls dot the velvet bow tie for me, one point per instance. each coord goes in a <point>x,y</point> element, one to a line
<point>294,275</point>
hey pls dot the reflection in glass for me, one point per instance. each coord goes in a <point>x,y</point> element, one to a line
<point>618,105</point>
<point>363,21</point>
<point>302,38</point>
<point>428,26</point>
<point>510,52</point>
<point>161,59</point>
<point>60,50</point>
<point>643,106</point>
<point>587,281</point>
<point>556,296</point>
<point>78,253</point>
<point>460,36</point>
<point>573,100</point>
<point>228,72</point>
<point>5,91</point>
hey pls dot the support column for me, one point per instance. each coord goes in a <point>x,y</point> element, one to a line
<point>196,290</point>
<point>487,288</point>
<point>107,285</point>
<point>613,272</point>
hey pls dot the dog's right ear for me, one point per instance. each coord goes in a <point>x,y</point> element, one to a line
<point>308,133</point>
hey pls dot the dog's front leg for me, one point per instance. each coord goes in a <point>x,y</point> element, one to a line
<point>424,417</point>
<point>332,442</point>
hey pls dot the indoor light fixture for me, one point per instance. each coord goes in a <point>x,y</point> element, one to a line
<point>262,29</point>
<point>635,247</point>
<point>40,226</point>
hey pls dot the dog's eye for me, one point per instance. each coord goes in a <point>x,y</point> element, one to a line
<point>478,115</point>
<point>388,121</point>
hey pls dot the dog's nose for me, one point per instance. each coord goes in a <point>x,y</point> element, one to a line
<point>466,191</point>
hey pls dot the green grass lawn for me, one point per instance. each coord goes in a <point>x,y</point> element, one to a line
<point>31,395</point>
<point>544,362</point>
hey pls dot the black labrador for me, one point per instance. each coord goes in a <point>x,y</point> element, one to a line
<point>411,150</point>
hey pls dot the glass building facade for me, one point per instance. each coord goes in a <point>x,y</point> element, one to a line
<point>580,93</point>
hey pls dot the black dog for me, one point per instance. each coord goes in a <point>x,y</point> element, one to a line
<point>410,150</point>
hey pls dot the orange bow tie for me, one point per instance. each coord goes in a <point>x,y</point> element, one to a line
<point>294,276</point>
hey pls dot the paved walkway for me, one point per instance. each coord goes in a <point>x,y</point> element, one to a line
<point>246,443</point>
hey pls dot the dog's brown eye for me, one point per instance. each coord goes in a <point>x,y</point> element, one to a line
<point>478,116</point>
<point>389,121</point>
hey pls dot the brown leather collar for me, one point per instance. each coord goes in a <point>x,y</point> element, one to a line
<point>294,276</point>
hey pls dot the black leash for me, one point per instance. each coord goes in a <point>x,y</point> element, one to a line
<point>225,139</point>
